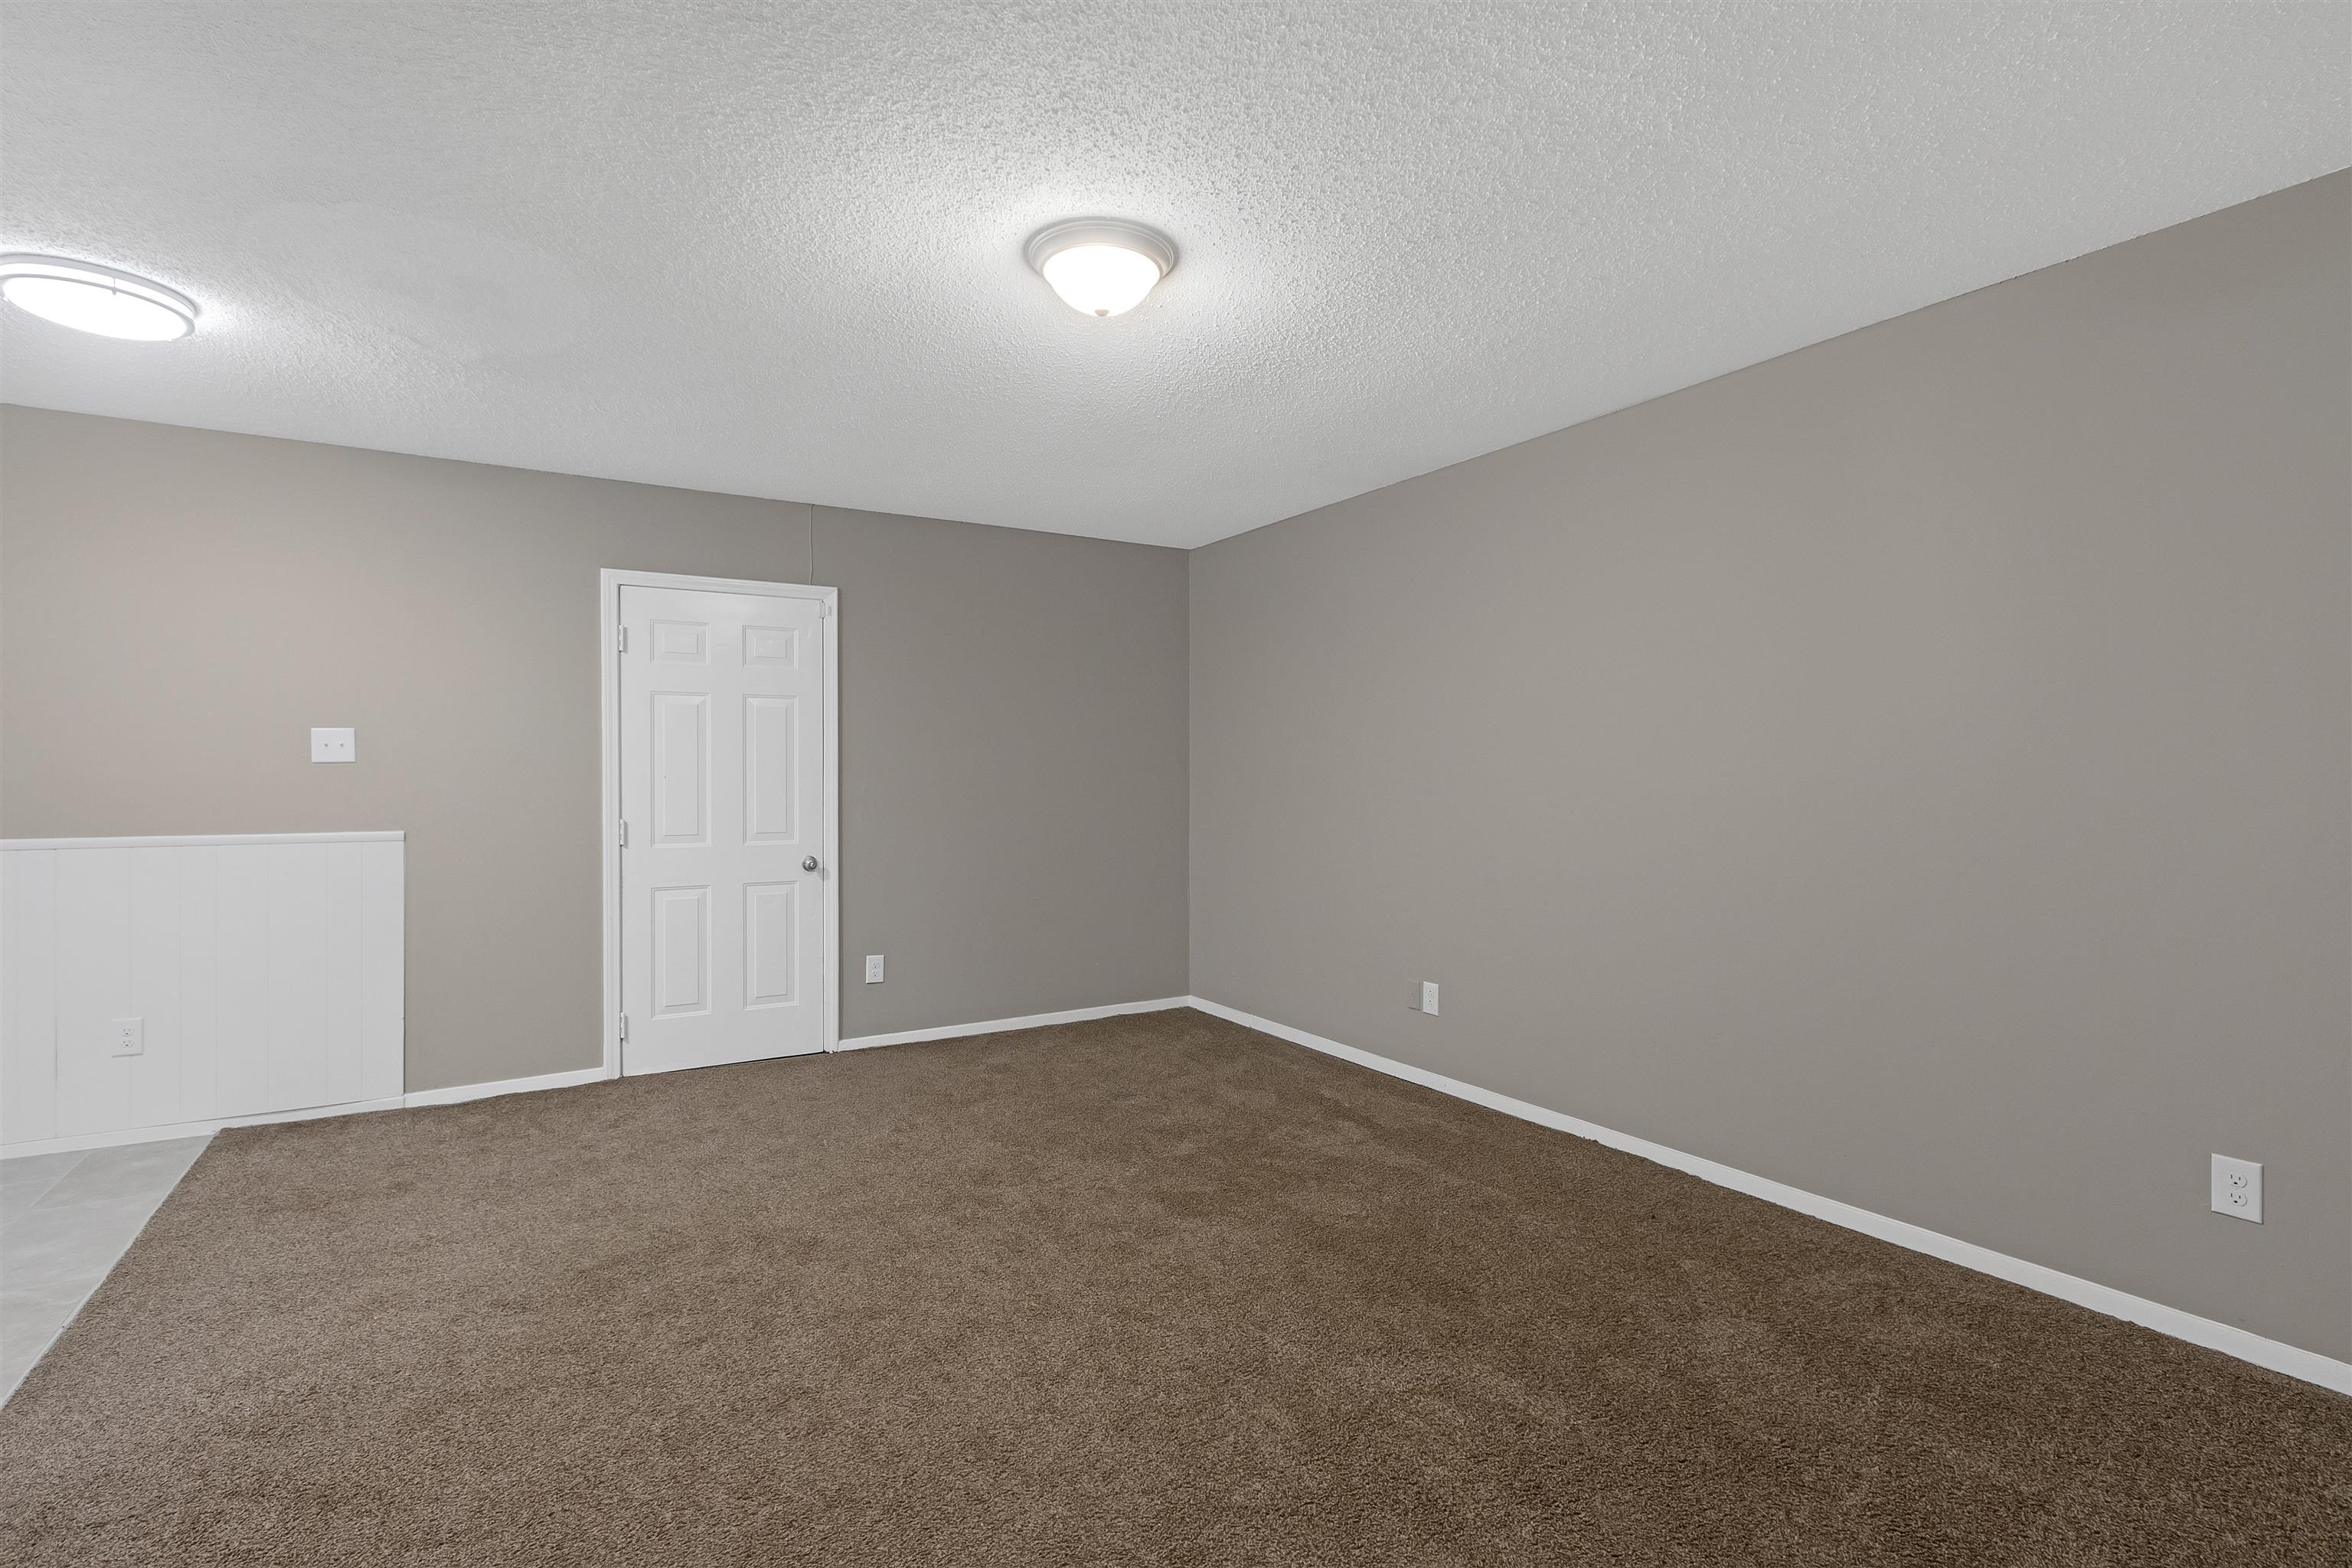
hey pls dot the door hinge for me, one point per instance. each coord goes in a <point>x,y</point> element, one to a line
<point>624,833</point>
<point>620,639</point>
<point>624,1027</point>
<point>824,608</point>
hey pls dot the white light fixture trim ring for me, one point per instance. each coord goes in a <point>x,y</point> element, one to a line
<point>88,275</point>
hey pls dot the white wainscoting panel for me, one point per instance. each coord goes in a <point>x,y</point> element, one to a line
<point>266,972</point>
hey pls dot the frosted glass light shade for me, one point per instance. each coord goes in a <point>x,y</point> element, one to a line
<point>1101,266</point>
<point>93,298</point>
<point>1101,280</point>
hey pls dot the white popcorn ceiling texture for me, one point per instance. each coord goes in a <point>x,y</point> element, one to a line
<point>776,249</point>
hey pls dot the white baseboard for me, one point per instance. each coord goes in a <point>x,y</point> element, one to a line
<point>458,1093</point>
<point>2276,1355</point>
<point>454,1095</point>
<point>127,1135</point>
<point>998,1025</point>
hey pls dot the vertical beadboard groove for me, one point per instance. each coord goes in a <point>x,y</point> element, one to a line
<point>28,997</point>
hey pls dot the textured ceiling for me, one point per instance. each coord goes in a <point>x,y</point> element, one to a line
<point>776,249</point>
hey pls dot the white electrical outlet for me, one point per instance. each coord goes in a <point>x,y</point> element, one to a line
<point>2238,1188</point>
<point>334,745</point>
<point>127,1038</point>
<point>873,969</point>
<point>1429,997</point>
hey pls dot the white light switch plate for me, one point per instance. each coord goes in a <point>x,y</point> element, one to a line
<point>334,745</point>
<point>2238,1188</point>
<point>126,1037</point>
<point>873,969</point>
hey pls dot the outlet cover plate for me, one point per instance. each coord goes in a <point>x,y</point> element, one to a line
<point>126,1037</point>
<point>1429,997</point>
<point>873,969</point>
<point>2238,1188</point>
<point>334,745</point>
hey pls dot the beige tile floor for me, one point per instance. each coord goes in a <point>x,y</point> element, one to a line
<point>65,1220</point>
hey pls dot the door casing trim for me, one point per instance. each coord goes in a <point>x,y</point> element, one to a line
<point>610,582</point>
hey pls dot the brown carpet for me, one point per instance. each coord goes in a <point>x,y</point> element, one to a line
<point>1150,1290</point>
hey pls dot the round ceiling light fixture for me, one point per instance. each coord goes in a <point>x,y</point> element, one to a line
<point>1102,266</point>
<point>93,298</point>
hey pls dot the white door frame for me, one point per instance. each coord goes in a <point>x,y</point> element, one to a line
<point>610,584</point>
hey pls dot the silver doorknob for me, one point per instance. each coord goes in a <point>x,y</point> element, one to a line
<point>809,864</point>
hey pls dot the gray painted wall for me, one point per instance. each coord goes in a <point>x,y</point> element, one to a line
<point>1013,741</point>
<point>1915,769</point>
<point>1012,726</point>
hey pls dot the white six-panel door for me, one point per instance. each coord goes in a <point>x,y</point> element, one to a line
<point>722,781</point>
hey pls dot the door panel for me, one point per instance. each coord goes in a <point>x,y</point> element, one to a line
<point>769,778</point>
<point>681,950</point>
<point>681,768</point>
<point>722,779</point>
<point>768,944</point>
